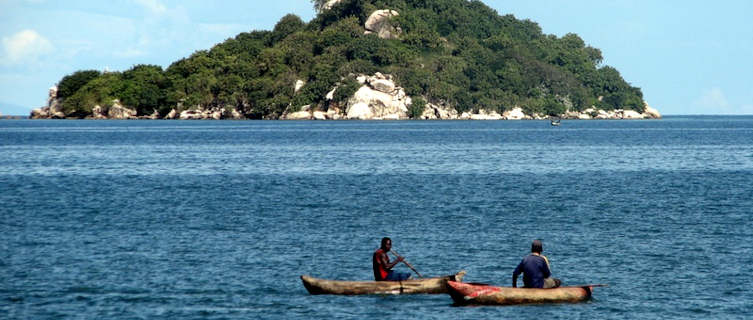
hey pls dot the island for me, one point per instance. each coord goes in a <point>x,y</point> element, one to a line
<point>367,60</point>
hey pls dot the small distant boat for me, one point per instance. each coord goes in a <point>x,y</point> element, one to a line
<point>436,285</point>
<point>554,121</point>
<point>482,294</point>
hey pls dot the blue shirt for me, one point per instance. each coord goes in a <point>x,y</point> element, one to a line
<point>534,269</point>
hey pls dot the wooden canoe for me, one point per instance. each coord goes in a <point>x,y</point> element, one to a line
<point>480,294</point>
<point>412,286</point>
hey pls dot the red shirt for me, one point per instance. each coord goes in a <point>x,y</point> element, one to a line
<point>380,273</point>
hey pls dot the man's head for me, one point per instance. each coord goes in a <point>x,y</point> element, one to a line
<point>386,244</point>
<point>536,246</point>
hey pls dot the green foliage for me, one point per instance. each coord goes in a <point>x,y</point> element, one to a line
<point>454,52</point>
<point>288,25</point>
<point>143,87</point>
<point>99,91</point>
<point>71,83</point>
<point>345,91</point>
<point>416,109</point>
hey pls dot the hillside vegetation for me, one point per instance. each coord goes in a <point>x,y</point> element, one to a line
<point>455,53</point>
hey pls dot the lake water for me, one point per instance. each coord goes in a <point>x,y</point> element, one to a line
<point>218,219</point>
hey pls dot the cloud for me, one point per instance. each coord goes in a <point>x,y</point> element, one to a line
<point>129,53</point>
<point>222,29</point>
<point>153,5</point>
<point>713,98</point>
<point>714,101</point>
<point>25,46</point>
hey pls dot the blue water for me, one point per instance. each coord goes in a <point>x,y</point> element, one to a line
<point>218,219</point>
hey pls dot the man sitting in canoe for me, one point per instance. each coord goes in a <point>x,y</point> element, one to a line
<point>535,269</point>
<point>382,265</point>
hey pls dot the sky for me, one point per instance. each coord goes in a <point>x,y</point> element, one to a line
<point>688,56</point>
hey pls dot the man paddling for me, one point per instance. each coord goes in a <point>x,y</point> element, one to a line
<point>382,265</point>
<point>535,269</point>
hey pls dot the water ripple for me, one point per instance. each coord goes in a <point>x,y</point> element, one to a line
<point>217,220</point>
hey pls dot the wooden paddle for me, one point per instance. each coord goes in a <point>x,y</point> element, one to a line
<point>406,263</point>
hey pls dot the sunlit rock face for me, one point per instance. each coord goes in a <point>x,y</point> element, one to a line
<point>329,4</point>
<point>436,112</point>
<point>514,114</point>
<point>652,113</point>
<point>378,99</point>
<point>380,24</point>
<point>53,109</point>
<point>118,111</point>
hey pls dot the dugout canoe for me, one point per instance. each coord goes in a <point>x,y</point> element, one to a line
<point>482,294</point>
<point>436,285</point>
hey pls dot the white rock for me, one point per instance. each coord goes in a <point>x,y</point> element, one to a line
<point>379,23</point>
<point>386,86</point>
<point>572,114</point>
<point>514,114</point>
<point>432,111</point>
<point>329,4</point>
<point>429,113</point>
<point>117,111</point>
<point>304,113</point>
<point>300,115</point>
<point>318,115</point>
<point>651,112</point>
<point>484,115</point>
<point>379,104</point>
<point>153,116</point>
<point>333,113</point>
<point>298,85</point>
<point>39,113</point>
<point>631,114</point>
<point>231,113</point>
<point>400,95</point>
<point>447,113</point>
<point>55,107</point>
<point>359,110</point>
<point>602,115</point>
<point>52,94</point>
<point>331,95</point>
<point>191,115</point>
<point>97,113</point>
<point>539,116</point>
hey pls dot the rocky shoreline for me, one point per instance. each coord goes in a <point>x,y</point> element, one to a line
<point>378,98</point>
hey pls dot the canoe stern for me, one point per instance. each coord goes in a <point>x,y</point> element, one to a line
<point>466,294</point>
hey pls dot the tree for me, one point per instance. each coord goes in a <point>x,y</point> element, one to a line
<point>71,83</point>
<point>319,4</point>
<point>288,25</point>
<point>99,91</point>
<point>143,88</point>
<point>416,109</point>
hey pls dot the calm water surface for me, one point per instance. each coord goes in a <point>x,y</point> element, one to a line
<point>218,219</point>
